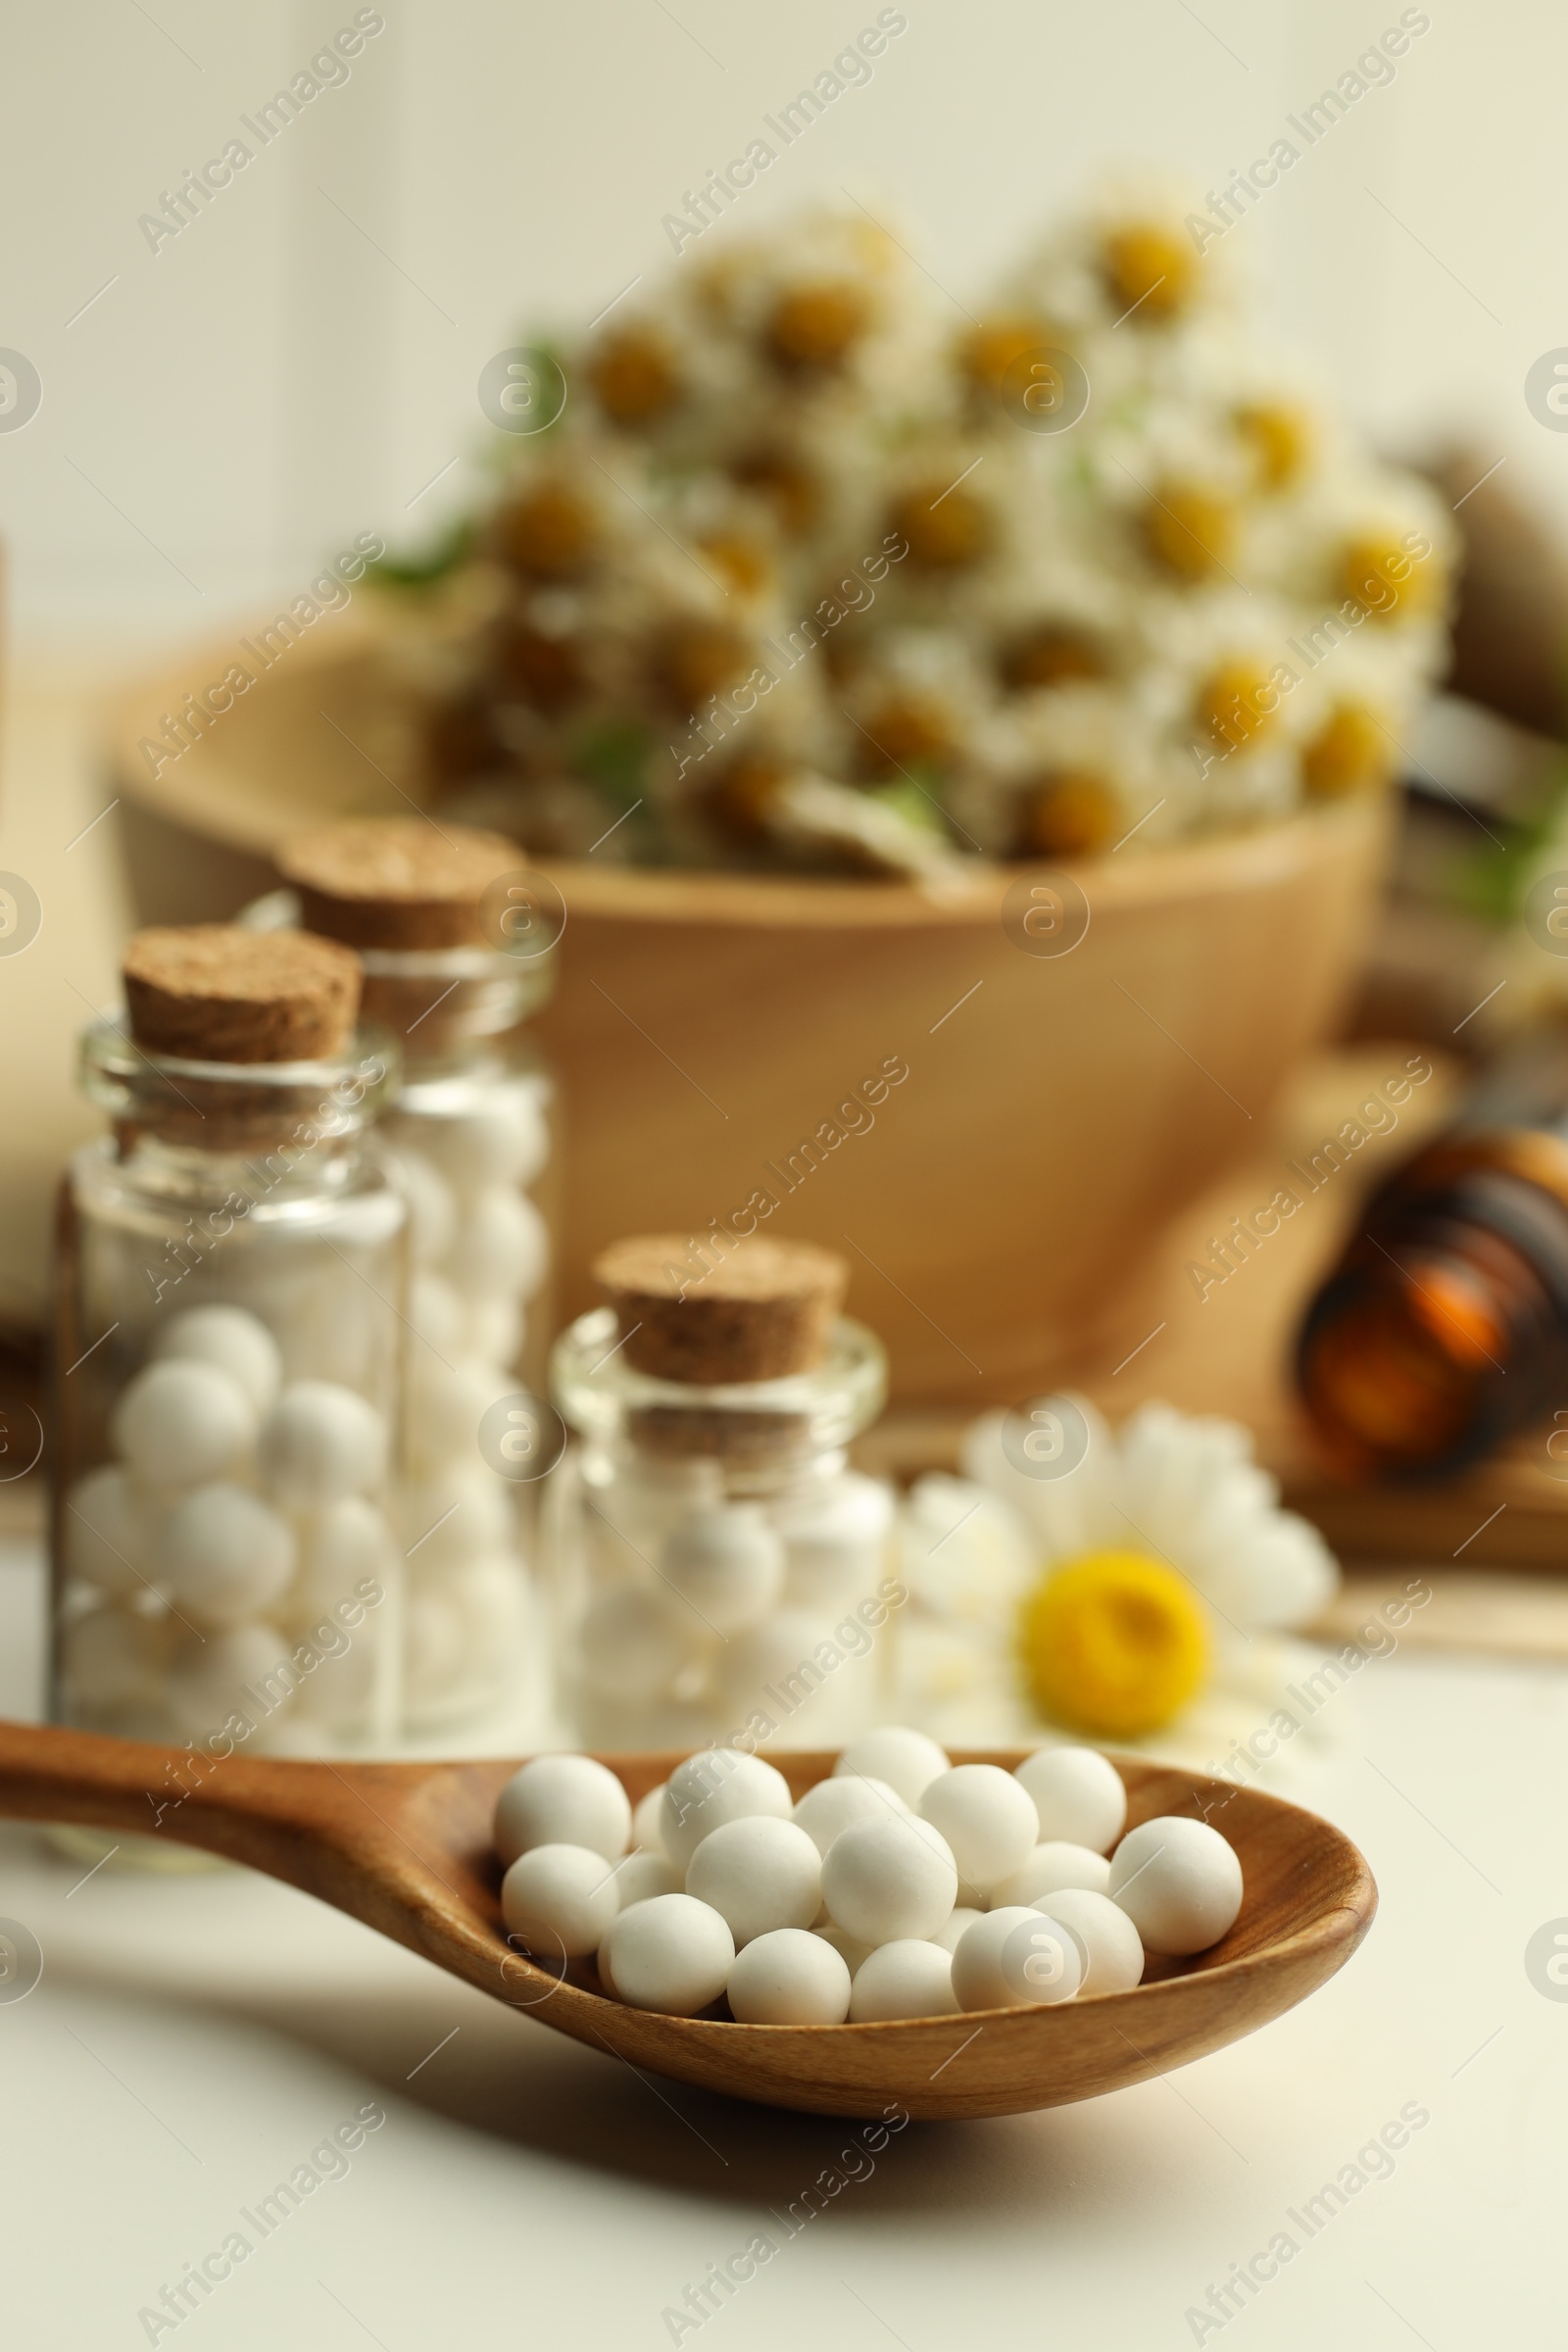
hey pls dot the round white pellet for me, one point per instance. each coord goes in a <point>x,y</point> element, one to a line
<point>502,1245</point>
<point>640,1875</point>
<point>112,1658</point>
<point>778,1650</point>
<point>948,1936</point>
<point>432,1211</point>
<point>1047,1869</point>
<point>436,1651</point>
<point>245,1671</point>
<point>232,1340</point>
<point>728,1563</point>
<point>1110,1942</point>
<point>106,1525</point>
<point>645,1834</point>
<point>446,1404</point>
<point>436,1313</point>
<point>672,1954</point>
<point>347,1544</point>
<point>455,1516</point>
<point>987,1818</point>
<point>1042,1964</point>
<point>883,1880</point>
<point>907,1760</point>
<point>907,1979</point>
<point>320,1443</point>
<point>561,1900</point>
<point>716,1785</point>
<point>1179,1881</point>
<point>342,1690</point>
<point>1078,1795</point>
<point>759,1874</point>
<point>506,1142</point>
<point>180,1424</point>
<point>220,1555</point>
<point>788,1978</point>
<point>838,1803</point>
<point>849,1950</point>
<point>834,1536</point>
<point>563,1800</point>
<point>632,1644</point>
<point>977,1978</point>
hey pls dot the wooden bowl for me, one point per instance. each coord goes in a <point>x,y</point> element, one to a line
<point>1002,1202</point>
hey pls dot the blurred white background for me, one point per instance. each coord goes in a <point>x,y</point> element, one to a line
<point>302,360</point>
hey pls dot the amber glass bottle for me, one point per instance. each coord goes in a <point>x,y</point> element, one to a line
<point>1443,1328</point>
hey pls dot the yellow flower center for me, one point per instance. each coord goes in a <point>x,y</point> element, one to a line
<point>1113,1643</point>
<point>1280,441</point>
<point>1070,813</point>
<point>1350,753</point>
<point>1378,571</point>
<point>1190,528</point>
<point>1150,266</point>
<point>1238,702</point>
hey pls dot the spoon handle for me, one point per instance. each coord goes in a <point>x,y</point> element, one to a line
<point>239,1810</point>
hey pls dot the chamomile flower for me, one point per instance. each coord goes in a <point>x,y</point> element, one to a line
<point>1145,1596</point>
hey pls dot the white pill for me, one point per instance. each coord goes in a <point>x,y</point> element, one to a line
<point>493,1331</point>
<point>759,1874</point>
<point>780,1651</point>
<point>560,1900</point>
<point>437,1313</point>
<point>907,1979</point>
<point>834,1536</point>
<point>501,1244</point>
<point>432,1210</point>
<point>849,1950</point>
<point>1179,1881</point>
<point>788,1978</point>
<point>492,1596</point>
<point>907,1760</point>
<point>247,1670</point>
<point>632,1644</point>
<point>112,1658</point>
<point>106,1526</point>
<point>180,1424</point>
<point>640,1875</point>
<point>447,1401</point>
<point>455,1515</point>
<point>1049,1868</point>
<point>220,1555</point>
<point>1112,1943</point>
<point>343,1688</point>
<point>506,1142</point>
<point>977,1978</point>
<point>713,1786</point>
<point>988,1819</point>
<point>436,1657</point>
<point>727,1563</point>
<point>1078,1795</point>
<point>948,1936</point>
<point>563,1800</point>
<point>645,1834</point>
<point>672,1954</point>
<point>1042,1964</point>
<point>883,1880</point>
<point>344,1547</point>
<point>232,1340</point>
<point>320,1443</point>
<point>837,1804</point>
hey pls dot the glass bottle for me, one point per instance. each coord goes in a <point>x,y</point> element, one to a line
<point>227,1391</point>
<point>472,1130</point>
<point>718,1572</point>
<point>1443,1328</point>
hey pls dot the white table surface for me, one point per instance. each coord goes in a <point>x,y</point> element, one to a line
<point>192,2040</point>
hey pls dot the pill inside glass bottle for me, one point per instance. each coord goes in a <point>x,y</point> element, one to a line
<point>456,939</point>
<point>718,1568</point>
<point>228,1363</point>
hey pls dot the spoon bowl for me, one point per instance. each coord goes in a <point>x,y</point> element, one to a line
<point>406,1848</point>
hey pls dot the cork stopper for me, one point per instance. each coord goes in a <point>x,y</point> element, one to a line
<point>215,993</point>
<point>763,1312</point>
<point>398,883</point>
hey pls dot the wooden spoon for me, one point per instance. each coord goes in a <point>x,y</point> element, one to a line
<point>405,1849</point>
